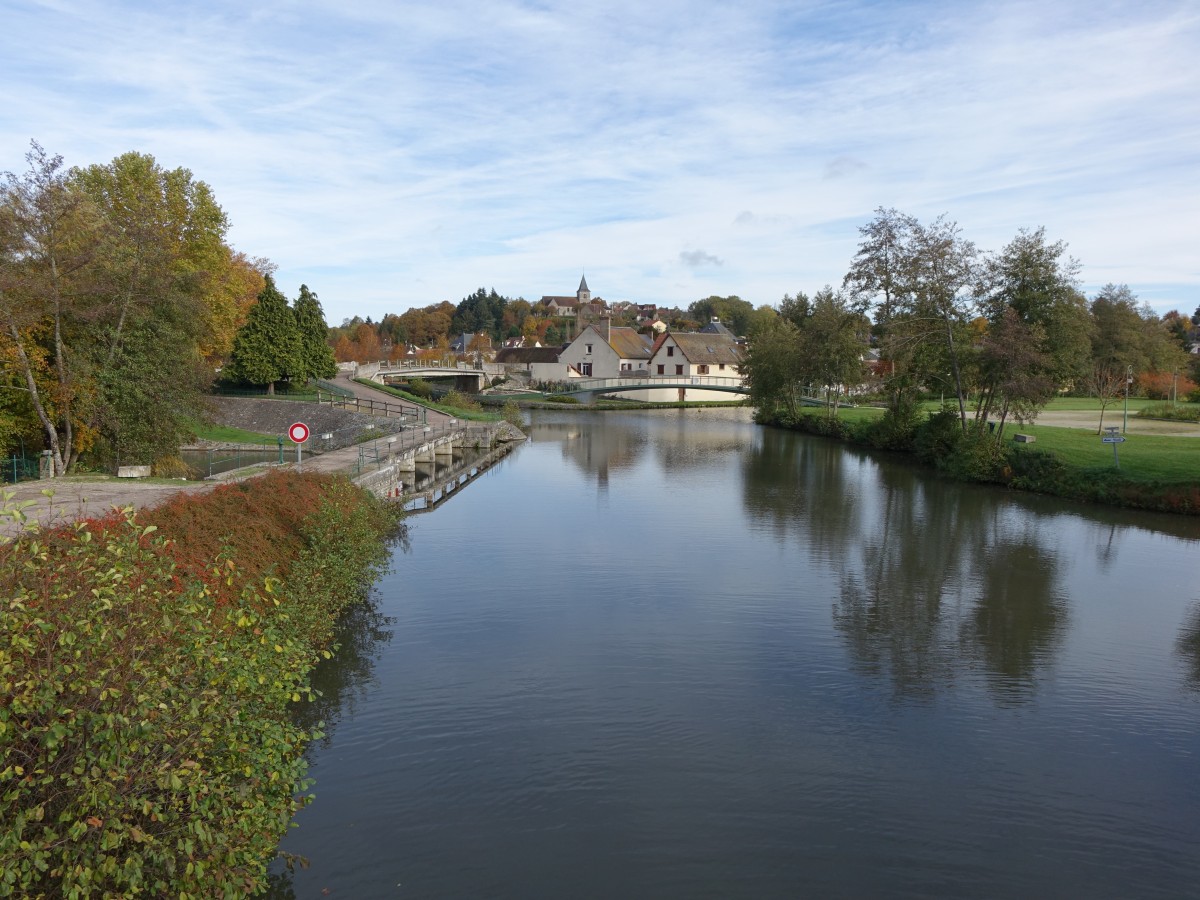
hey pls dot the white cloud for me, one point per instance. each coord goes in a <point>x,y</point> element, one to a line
<point>392,155</point>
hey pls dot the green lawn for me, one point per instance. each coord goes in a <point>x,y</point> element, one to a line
<point>1143,457</point>
<point>470,415</point>
<point>1166,458</point>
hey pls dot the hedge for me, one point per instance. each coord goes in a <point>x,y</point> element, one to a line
<point>148,666</point>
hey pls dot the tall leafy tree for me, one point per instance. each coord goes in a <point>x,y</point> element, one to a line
<point>267,348</point>
<point>1039,326</point>
<point>836,339</point>
<point>775,369</point>
<point>315,355</point>
<point>49,233</point>
<point>163,292</point>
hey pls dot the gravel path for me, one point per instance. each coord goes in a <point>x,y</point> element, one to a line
<point>1090,419</point>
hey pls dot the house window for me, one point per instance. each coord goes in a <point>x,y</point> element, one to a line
<point>589,348</point>
<point>626,367</point>
<point>722,367</point>
<point>670,351</point>
<point>679,370</point>
<point>585,368</point>
<point>701,370</point>
<point>660,369</point>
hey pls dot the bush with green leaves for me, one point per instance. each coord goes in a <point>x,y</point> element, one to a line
<point>146,745</point>
<point>512,414</point>
<point>458,400</point>
<point>419,387</point>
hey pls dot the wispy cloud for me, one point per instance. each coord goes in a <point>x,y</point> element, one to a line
<point>392,155</point>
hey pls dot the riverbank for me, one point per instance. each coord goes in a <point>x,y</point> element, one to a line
<point>151,662</point>
<point>939,443</point>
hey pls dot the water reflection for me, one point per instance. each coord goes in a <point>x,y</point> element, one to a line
<point>1188,646</point>
<point>934,579</point>
<point>594,451</point>
<point>341,684</point>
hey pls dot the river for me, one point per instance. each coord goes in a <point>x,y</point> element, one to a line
<point>673,654</point>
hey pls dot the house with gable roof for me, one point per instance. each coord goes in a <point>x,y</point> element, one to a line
<point>686,355</point>
<point>604,351</point>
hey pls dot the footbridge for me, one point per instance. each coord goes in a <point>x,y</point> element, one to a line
<point>591,387</point>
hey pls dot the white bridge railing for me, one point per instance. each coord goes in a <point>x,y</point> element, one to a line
<point>660,381</point>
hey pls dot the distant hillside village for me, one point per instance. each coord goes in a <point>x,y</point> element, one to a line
<point>559,337</point>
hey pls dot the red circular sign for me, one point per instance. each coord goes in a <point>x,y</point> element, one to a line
<point>298,433</point>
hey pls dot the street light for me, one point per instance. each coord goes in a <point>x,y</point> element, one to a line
<point>1128,381</point>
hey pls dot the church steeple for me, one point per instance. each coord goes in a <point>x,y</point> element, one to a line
<point>584,295</point>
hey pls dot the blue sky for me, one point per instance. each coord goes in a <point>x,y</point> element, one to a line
<point>393,154</point>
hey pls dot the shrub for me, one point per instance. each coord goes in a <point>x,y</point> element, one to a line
<point>562,398</point>
<point>512,414</point>
<point>935,439</point>
<point>146,746</point>
<point>894,430</point>
<point>459,400</point>
<point>171,467</point>
<point>419,387</point>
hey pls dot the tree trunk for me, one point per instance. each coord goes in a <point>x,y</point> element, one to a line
<point>35,398</point>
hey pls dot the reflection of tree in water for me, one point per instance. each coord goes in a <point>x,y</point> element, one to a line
<point>891,610</point>
<point>1020,619</point>
<point>340,682</point>
<point>935,578</point>
<point>343,679</point>
<point>801,488</point>
<point>1188,646</point>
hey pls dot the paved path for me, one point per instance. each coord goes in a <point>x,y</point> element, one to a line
<point>78,497</point>
<point>1090,419</point>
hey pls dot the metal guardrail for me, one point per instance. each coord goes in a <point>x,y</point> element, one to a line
<point>416,415</point>
<point>379,452</point>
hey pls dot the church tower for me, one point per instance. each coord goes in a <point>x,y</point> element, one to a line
<point>584,295</point>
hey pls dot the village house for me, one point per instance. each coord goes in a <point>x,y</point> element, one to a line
<point>604,351</point>
<point>700,354</point>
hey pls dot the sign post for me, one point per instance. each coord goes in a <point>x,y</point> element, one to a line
<point>298,432</point>
<point>1113,438</point>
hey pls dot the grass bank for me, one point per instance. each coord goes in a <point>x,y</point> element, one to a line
<point>148,665</point>
<point>464,410</point>
<point>1159,473</point>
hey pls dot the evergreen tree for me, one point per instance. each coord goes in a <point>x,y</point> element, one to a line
<point>266,348</point>
<point>316,356</point>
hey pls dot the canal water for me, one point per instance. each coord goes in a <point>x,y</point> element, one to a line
<point>673,654</point>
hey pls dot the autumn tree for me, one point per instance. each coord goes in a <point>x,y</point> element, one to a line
<point>49,234</point>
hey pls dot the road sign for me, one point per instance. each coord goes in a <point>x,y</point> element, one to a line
<point>298,432</point>
<point>1116,439</point>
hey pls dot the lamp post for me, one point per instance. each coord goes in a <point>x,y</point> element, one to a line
<point>1128,381</point>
